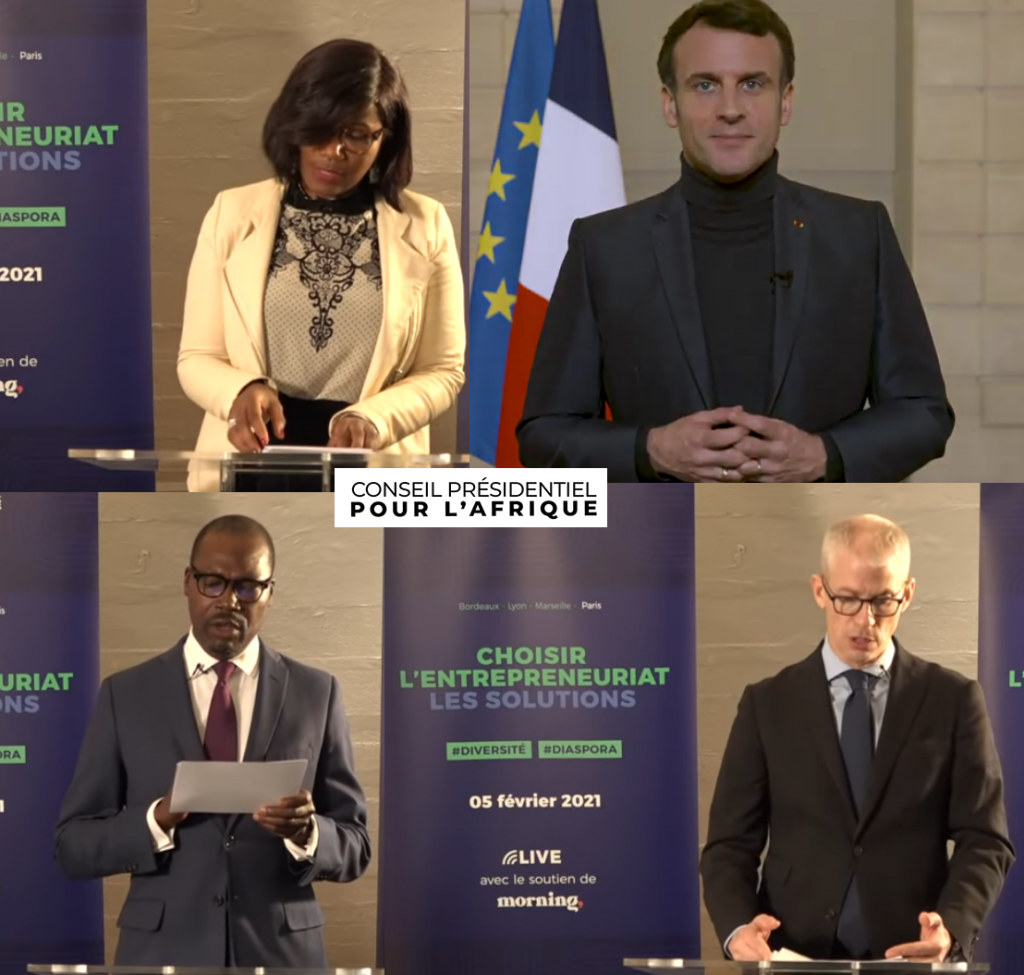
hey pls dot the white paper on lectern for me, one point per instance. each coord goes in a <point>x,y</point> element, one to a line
<point>784,954</point>
<point>234,787</point>
<point>286,449</point>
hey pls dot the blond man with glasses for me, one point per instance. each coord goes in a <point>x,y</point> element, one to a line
<point>856,767</point>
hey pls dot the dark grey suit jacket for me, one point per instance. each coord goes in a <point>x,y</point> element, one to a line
<point>936,777</point>
<point>624,330</point>
<point>228,885</point>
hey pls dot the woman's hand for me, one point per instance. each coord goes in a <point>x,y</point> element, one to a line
<point>353,430</point>
<point>247,427</point>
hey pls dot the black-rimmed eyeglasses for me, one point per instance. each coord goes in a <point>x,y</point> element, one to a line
<point>881,606</point>
<point>359,141</point>
<point>212,585</point>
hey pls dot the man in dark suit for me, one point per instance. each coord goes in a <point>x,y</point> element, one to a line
<point>857,766</point>
<point>735,326</point>
<point>212,890</point>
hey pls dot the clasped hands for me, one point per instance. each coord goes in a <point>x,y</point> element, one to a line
<point>750,943</point>
<point>291,818</point>
<point>730,445</point>
<point>258,405</point>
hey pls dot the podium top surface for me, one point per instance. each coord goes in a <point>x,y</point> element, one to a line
<point>175,970</point>
<point>726,967</point>
<point>273,457</point>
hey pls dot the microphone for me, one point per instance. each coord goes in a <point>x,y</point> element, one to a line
<point>199,671</point>
<point>786,277</point>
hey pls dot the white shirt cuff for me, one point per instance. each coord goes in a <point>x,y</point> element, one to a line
<point>162,842</point>
<point>725,947</point>
<point>307,852</point>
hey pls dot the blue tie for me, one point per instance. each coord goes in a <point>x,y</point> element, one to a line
<point>858,744</point>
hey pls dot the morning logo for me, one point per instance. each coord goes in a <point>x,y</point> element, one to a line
<point>569,902</point>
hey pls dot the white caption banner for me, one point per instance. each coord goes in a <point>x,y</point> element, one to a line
<point>443,497</point>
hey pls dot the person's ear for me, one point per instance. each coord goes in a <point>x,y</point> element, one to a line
<point>818,590</point>
<point>669,109</point>
<point>787,103</point>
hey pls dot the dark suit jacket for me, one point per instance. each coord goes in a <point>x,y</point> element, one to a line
<point>624,329</point>
<point>936,777</point>
<point>225,872</point>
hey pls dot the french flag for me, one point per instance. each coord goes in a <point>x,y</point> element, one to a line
<point>579,172</point>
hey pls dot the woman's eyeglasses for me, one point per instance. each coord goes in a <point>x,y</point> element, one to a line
<point>359,141</point>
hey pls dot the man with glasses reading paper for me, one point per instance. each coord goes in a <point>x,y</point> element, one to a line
<point>856,766</point>
<point>213,890</point>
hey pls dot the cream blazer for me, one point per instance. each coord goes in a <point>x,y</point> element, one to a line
<point>417,366</point>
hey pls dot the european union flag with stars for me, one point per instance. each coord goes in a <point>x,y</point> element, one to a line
<point>500,252</point>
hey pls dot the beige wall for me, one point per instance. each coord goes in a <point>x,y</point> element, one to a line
<point>843,134</point>
<point>969,223</point>
<point>215,66</point>
<point>326,613</point>
<point>756,551</point>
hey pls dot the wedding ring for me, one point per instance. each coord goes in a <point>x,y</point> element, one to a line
<point>759,470</point>
<point>232,421</point>
<point>724,476</point>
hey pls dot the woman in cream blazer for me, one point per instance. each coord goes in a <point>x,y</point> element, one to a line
<point>340,128</point>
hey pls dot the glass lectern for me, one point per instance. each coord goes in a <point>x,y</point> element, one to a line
<point>172,970</point>
<point>689,966</point>
<point>276,469</point>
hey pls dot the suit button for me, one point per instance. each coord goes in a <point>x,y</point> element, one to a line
<point>218,901</point>
<point>229,842</point>
<point>830,915</point>
<point>858,850</point>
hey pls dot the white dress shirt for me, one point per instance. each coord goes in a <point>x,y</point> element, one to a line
<point>242,684</point>
<point>840,690</point>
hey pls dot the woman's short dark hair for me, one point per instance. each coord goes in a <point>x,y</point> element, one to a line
<point>328,89</point>
<point>753,17</point>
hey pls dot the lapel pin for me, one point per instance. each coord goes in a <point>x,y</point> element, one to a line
<point>798,223</point>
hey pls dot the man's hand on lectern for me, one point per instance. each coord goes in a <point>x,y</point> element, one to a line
<point>934,944</point>
<point>750,943</point>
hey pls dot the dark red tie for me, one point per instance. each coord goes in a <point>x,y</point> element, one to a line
<point>221,741</point>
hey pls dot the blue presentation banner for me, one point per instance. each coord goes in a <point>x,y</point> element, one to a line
<point>1001,673</point>
<point>75,318</point>
<point>539,788</point>
<point>49,675</point>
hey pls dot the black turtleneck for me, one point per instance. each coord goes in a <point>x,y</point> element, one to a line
<point>356,201</point>
<point>732,232</point>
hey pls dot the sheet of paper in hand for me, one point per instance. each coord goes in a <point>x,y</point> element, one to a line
<point>234,787</point>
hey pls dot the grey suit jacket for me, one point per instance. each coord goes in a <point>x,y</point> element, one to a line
<point>229,892</point>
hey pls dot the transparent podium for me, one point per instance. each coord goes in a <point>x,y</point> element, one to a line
<point>172,970</point>
<point>276,469</point>
<point>660,966</point>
